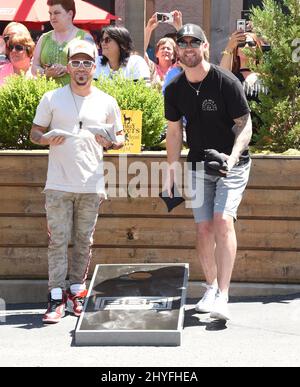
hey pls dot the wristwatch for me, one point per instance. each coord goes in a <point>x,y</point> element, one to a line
<point>110,147</point>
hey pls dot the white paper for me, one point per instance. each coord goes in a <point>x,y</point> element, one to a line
<point>105,130</point>
<point>59,132</point>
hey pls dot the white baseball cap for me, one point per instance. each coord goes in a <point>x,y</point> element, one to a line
<point>82,47</point>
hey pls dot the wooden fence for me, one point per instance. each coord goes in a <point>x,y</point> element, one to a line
<point>140,230</point>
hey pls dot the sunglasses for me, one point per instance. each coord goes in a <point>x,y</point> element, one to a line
<point>252,43</point>
<point>17,47</point>
<point>106,40</point>
<point>87,64</point>
<point>194,43</point>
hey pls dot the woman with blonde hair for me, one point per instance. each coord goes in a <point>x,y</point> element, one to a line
<point>14,28</point>
<point>165,50</point>
<point>19,50</point>
<point>51,54</point>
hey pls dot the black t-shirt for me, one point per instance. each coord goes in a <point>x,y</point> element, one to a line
<point>210,115</point>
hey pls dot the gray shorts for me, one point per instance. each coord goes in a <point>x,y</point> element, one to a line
<point>217,194</point>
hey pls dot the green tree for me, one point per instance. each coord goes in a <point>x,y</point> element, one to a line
<point>279,110</point>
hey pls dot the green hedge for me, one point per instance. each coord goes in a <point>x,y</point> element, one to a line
<point>19,98</point>
<point>137,96</point>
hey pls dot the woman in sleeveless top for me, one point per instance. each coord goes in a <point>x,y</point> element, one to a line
<point>51,53</point>
<point>236,60</point>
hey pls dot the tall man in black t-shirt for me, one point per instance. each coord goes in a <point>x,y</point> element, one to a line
<point>218,117</point>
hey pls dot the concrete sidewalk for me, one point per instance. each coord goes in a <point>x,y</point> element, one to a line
<point>264,331</point>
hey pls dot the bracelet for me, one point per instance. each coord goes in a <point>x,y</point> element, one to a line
<point>225,52</point>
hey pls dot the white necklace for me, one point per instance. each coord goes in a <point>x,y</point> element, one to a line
<point>78,111</point>
<point>196,90</point>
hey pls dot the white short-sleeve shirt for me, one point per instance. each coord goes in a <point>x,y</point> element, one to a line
<point>77,164</point>
<point>135,69</point>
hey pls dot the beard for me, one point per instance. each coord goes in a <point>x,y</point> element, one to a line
<point>191,61</point>
<point>81,79</point>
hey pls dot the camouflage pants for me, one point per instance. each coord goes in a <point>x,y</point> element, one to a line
<point>70,216</point>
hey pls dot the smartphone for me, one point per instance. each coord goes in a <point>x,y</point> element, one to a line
<point>163,17</point>
<point>241,25</point>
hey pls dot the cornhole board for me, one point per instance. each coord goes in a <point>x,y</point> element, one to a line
<point>134,305</point>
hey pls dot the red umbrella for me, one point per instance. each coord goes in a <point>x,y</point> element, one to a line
<point>34,13</point>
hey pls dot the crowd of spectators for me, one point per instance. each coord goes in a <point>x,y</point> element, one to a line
<point>48,57</point>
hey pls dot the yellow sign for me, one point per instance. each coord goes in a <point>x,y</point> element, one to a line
<point>132,123</point>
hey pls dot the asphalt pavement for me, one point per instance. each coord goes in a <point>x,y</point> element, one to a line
<point>264,331</point>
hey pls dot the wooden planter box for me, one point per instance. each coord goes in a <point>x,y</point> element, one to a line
<point>141,231</point>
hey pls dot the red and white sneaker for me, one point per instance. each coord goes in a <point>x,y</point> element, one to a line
<point>75,302</point>
<point>55,311</point>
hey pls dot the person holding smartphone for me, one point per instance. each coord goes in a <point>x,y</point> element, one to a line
<point>236,60</point>
<point>165,49</point>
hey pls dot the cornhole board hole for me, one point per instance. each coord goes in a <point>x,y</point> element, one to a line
<point>134,305</point>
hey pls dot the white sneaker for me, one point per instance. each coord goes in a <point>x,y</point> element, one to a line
<point>220,310</point>
<point>205,305</point>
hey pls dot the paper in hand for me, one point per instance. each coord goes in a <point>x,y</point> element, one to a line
<point>59,132</point>
<point>105,130</point>
<point>173,202</point>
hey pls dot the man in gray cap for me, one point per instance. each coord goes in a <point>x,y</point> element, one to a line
<point>75,181</point>
<point>218,123</point>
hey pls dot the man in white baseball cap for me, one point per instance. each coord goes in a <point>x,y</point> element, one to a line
<point>75,181</point>
<point>82,47</point>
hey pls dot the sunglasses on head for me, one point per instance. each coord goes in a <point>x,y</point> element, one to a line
<point>17,47</point>
<point>87,64</point>
<point>106,40</point>
<point>252,43</point>
<point>194,43</point>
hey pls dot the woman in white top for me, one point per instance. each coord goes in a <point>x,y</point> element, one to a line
<point>118,56</point>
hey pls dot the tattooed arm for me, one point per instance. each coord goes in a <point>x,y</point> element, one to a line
<point>36,136</point>
<point>243,133</point>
